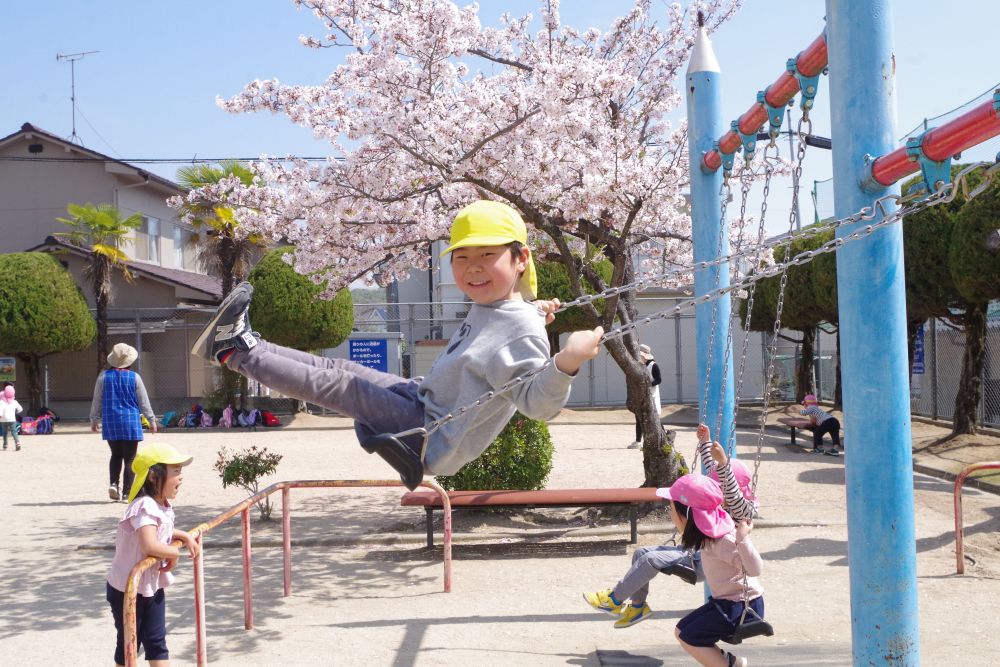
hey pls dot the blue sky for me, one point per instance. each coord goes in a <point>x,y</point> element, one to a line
<point>151,90</point>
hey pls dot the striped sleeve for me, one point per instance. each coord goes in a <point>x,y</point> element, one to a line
<point>707,462</point>
<point>736,504</point>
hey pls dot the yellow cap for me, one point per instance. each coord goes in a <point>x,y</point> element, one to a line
<point>150,455</point>
<point>487,223</point>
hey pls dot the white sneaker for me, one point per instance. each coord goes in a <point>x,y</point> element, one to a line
<point>636,444</point>
<point>113,492</point>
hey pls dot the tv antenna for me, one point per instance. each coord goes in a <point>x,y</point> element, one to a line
<point>71,58</point>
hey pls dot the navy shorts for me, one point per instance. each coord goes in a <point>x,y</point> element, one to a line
<point>150,621</point>
<point>714,620</point>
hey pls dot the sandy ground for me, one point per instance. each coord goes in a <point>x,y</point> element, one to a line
<point>517,579</point>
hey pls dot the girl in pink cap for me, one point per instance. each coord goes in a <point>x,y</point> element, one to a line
<point>730,562</point>
<point>627,599</point>
<point>822,422</point>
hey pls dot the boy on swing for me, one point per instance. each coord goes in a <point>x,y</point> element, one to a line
<point>502,338</point>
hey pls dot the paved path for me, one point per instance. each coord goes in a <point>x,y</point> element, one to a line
<point>515,600</point>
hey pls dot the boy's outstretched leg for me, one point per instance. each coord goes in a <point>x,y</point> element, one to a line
<point>228,329</point>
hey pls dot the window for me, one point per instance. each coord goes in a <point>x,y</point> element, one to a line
<point>150,229</point>
<point>179,239</point>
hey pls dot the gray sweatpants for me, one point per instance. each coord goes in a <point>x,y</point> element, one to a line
<point>646,564</point>
<point>378,402</point>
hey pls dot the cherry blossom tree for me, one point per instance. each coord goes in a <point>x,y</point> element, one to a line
<point>431,109</point>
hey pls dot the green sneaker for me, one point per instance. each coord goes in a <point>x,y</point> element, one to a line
<point>601,601</point>
<point>630,615</point>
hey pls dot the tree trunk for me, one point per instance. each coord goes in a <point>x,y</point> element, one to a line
<point>102,292</point>
<point>660,462</point>
<point>804,370</point>
<point>970,385</point>
<point>226,254</point>
<point>33,382</point>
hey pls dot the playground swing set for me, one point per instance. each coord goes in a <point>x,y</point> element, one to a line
<point>873,627</point>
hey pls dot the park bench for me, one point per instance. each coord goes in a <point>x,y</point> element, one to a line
<point>794,423</point>
<point>484,500</point>
<point>801,422</point>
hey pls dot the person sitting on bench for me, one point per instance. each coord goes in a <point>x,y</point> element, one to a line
<point>627,600</point>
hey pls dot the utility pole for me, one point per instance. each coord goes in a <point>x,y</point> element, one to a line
<point>71,58</point>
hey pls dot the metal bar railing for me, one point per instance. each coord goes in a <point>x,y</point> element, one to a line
<point>959,536</point>
<point>243,509</point>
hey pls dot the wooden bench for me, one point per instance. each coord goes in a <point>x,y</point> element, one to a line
<point>794,423</point>
<point>480,500</point>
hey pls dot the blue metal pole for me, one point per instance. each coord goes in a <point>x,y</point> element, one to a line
<point>880,527</point>
<point>704,127</point>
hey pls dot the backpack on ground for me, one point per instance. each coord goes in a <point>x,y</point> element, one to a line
<point>243,418</point>
<point>43,425</point>
<point>269,418</point>
<point>206,419</point>
<point>226,420</point>
<point>28,427</point>
<point>169,418</point>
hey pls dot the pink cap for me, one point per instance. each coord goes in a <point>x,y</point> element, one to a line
<point>743,477</point>
<point>704,497</point>
<point>809,398</point>
<point>8,393</point>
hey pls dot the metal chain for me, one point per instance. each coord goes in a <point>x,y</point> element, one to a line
<point>751,293</point>
<point>779,307</point>
<point>945,194</point>
<point>725,193</point>
<point>745,180</point>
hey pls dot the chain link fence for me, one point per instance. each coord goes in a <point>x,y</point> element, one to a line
<point>175,380</point>
<point>937,369</point>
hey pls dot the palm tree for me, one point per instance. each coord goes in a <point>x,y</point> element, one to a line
<point>223,251</point>
<point>103,231</point>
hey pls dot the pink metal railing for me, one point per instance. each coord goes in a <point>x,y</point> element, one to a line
<point>243,509</point>
<point>959,537</point>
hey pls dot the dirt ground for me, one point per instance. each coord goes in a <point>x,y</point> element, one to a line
<point>365,589</point>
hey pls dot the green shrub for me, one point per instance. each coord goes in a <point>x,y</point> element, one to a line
<point>245,468</point>
<point>520,458</point>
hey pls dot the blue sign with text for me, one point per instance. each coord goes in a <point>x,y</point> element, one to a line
<point>918,352</point>
<point>371,352</point>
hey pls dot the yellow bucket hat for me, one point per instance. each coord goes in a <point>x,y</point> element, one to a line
<point>487,222</point>
<point>150,455</point>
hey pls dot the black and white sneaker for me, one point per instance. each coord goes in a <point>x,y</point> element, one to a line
<point>229,328</point>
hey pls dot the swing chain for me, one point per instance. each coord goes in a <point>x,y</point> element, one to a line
<point>751,294</point>
<point>725,194</point>
<point>945,193</point>
<point>779,307</point>
<point>746,179</point>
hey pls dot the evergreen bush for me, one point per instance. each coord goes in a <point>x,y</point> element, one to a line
<point>519,458</point>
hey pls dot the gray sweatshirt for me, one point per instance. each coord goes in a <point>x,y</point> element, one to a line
<point>495,344</point>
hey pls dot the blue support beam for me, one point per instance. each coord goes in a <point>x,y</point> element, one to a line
<point>704,125</point>
<point>875,374</point>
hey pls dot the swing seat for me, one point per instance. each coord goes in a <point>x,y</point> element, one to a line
<point>403,459</point>
<point>749,627</point>
<point>682,570</point>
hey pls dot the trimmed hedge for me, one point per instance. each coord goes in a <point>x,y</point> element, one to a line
<point>519,458</point>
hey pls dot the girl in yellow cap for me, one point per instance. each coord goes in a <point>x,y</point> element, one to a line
<point>503,337</point>
<point>147,530</point>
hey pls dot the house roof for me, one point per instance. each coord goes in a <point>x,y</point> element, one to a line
<point>29,129</point>
<point>199,282</point>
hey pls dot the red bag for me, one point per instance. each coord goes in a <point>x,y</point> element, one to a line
<point>269,418</point>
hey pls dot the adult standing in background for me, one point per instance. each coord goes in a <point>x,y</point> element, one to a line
<point>653,373</point>
<point>119,401</point>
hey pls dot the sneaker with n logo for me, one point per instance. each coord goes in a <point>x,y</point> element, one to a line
<point>229,328</point>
